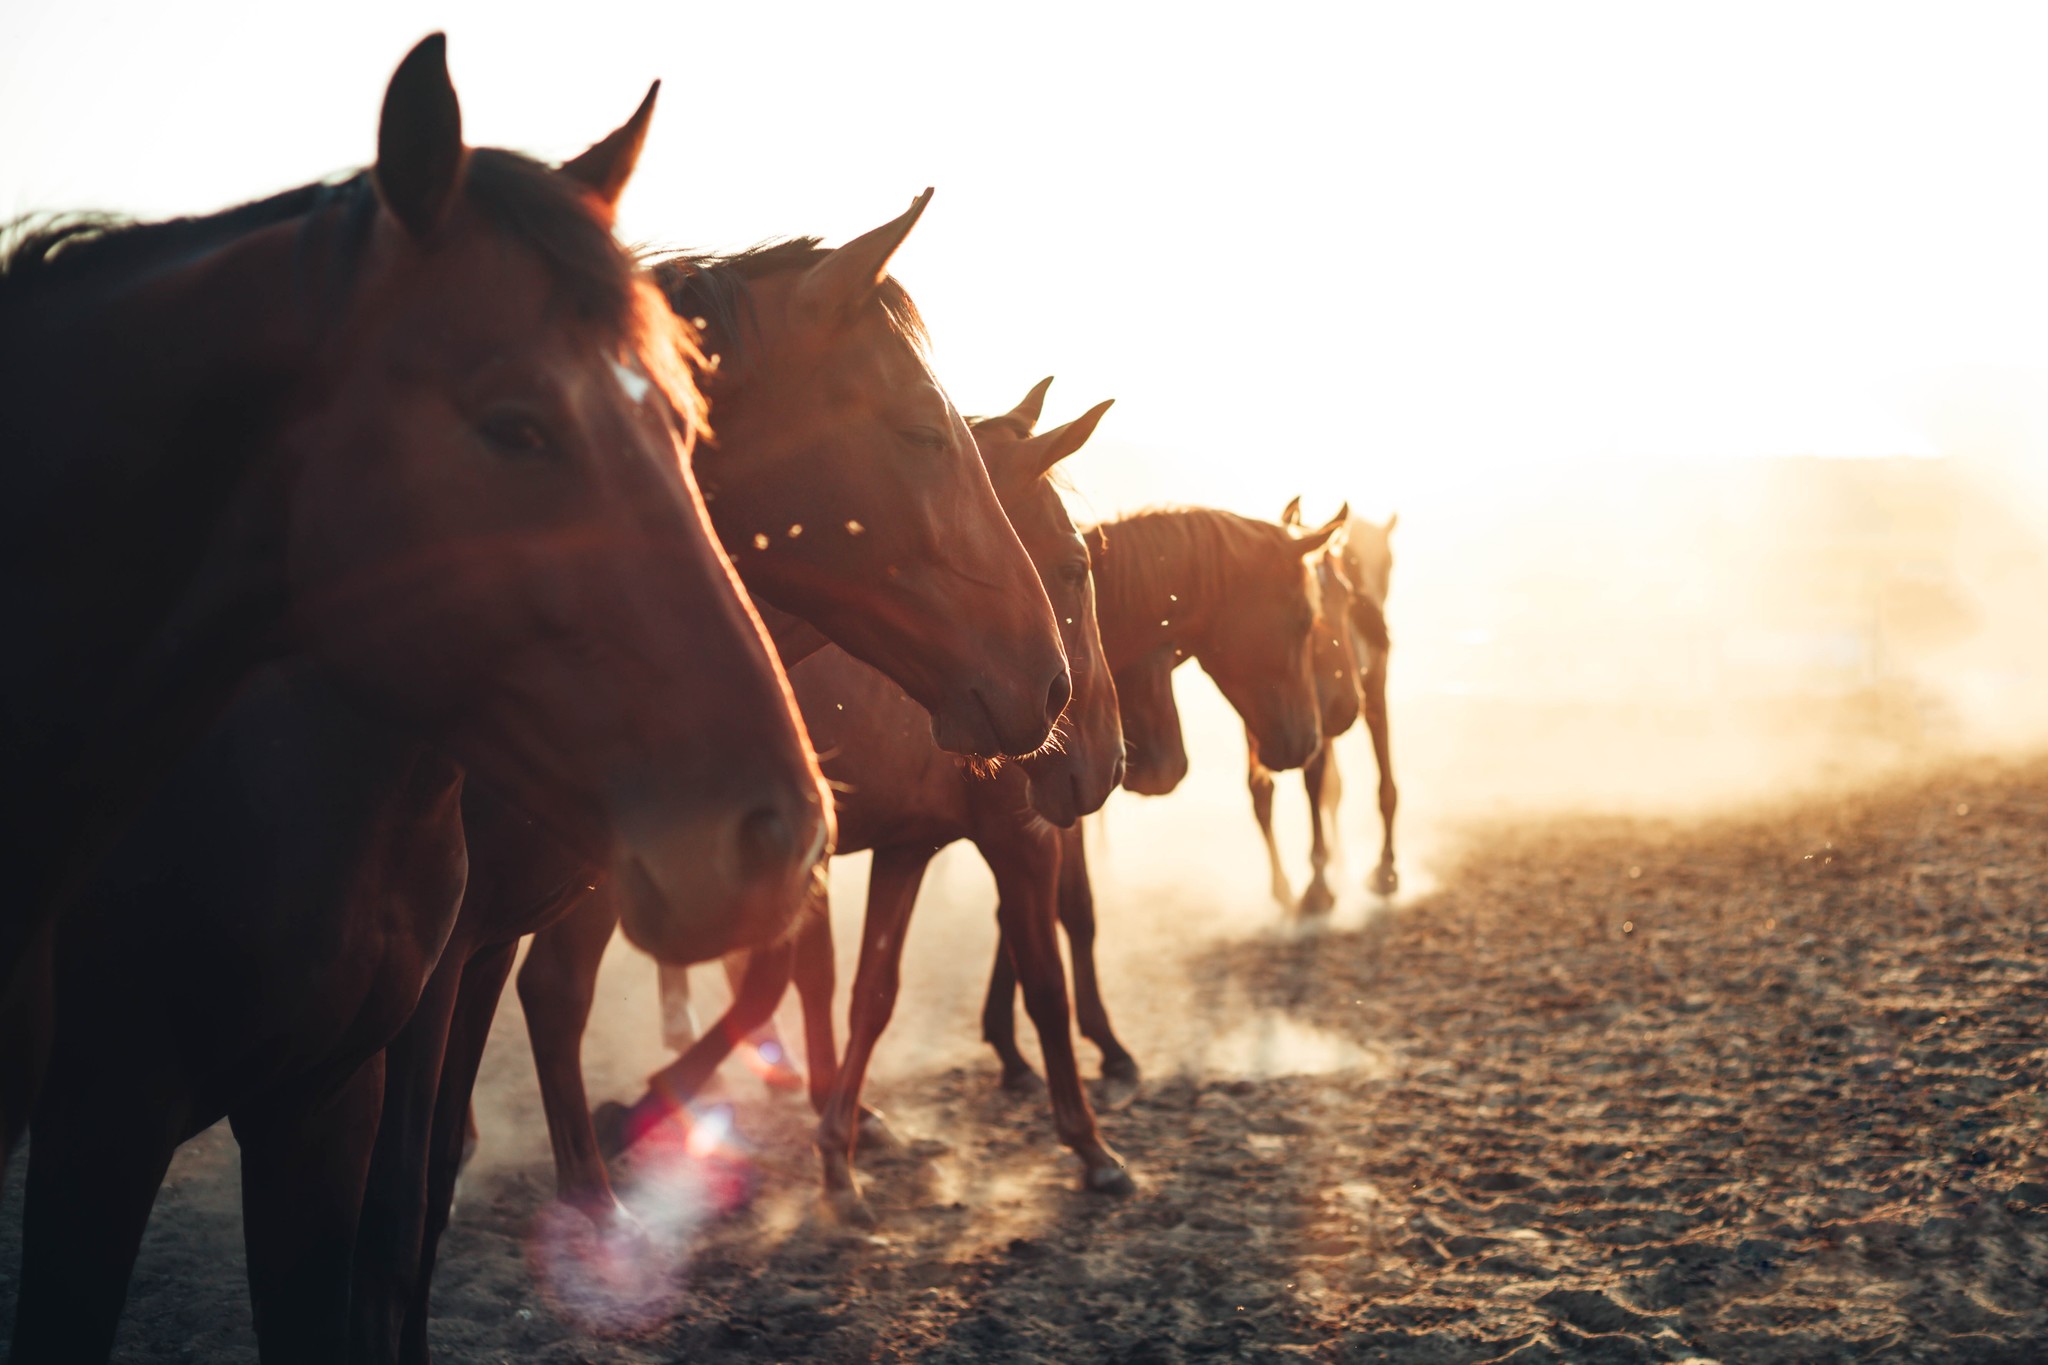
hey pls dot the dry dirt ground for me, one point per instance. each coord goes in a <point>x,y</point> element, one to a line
<point>1754,1089</point>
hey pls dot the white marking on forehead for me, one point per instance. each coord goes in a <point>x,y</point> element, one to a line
<point>632,381</point>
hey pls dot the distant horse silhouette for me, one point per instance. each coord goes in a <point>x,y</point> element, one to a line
<point>830,425</point>
<point>268,925</point>
<point>1232,593</point>
<point>905,799</point>
<point>1351,664</point>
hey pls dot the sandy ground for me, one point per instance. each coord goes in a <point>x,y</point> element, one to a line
<point>1754,1088</point>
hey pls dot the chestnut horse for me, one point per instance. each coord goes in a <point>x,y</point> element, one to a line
<point>905,799</point>
<point>1351,663</point>
<point>830,425</point>
<point>1235,594</point>
<point>261,934</point>
<point>417,424</point>
<point>1350,657</point>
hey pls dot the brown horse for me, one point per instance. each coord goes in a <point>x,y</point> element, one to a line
<point>1351,663</point>
<point>829,423</point>
<point>267,928</point>
<point>905,799</point>
<point>418,424</point>
<point>1234,594</point>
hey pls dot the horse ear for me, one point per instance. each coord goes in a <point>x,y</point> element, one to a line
<point>420,154</point>
<point>1390,522</point>
<point>1290,515</point>
<point>1047,449</point>
<point>1316,539</point>
<point>834,289</point>
<point>606,167</point>
<point>1033,404</point>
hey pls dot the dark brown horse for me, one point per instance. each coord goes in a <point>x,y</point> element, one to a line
<point>1351,667</point>
<point>831,425</point>
<point>904,798</point>
<point>267,928</point>
<point>1234,594</point>
<point>419,424</point>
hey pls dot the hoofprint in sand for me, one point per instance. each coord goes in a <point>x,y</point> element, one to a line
<point>1762,1089</point>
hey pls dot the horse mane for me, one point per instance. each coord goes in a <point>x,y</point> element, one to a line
<point>523,199</point>
<point>1369,619</point>
<point>1144,549</point>
<point>714,291</point>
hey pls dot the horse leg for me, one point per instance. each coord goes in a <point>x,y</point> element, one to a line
<point>1318,776</point>
<point>1077,914</point>
<point>1384,880</point>
<point>892,894</point>
<point>557,985</point>
<point>1026,867</point>
<point>678,1020</point>
<point>27,1025</point>
<point>303,1169</point>
<point>670,1090</point>
<point>483,981</point>
<point>1260,780</point>
<point>388,1240</point>
<point>771,1058</point>
<point>99,1155</point>
<point>999,1026</point>
<point>816,977</point>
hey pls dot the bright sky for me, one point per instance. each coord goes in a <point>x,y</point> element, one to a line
<point>1367,250</point>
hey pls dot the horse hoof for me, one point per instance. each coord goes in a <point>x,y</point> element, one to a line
<point>850,1209</point>
<point>1022,1081</point>
<point>1318,900</point>
<point>1114,1181</point>
<point>783,1080</point>
<point>1384,881</point>
<point>874,1135</point>
<point>1119,1084</point>
<point>608,1121</point>
<point>1283,894</point>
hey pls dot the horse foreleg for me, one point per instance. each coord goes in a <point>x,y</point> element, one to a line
<point>1077,914</point>
<point>27,1025</point>
<point>1319,776</point>
<point>1384,881</point>
<point>892,894</point>
<point>469,1028</point>
<point>670,1090</point>
<point>389,1239</point>
<point>304,1164</point>
<point>557,986</point>
<point>99,1154</point>
<point>771,1061</point>
<point>1260,780</point>
<point>816,977</point>
<point>1027,869</point>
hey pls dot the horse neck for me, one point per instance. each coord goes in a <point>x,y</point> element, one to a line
<point>1151,591</point>
<point>143,514</point>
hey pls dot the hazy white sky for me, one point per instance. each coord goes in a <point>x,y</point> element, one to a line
<point>1314,247</point>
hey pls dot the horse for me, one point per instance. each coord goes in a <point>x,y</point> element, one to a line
<point>1351,660</point>
<point>905,799</point>
<point>267,926</point>
<point>415,423</point>
<point>1235,594</point>
<point>830,425</point>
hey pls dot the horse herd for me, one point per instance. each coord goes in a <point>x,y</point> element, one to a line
<point>378,596</point>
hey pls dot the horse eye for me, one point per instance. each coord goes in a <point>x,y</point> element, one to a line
<point>517,434</point>
<point>926,438</point>
<point>1076,574</point>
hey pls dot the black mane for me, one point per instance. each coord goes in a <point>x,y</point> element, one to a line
<point>713,291</point>
<point>517,196</point>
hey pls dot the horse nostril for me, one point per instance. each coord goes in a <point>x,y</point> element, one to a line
<point>1056,700</point>
<point>767,845</point>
